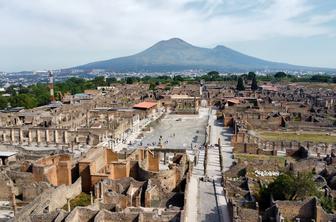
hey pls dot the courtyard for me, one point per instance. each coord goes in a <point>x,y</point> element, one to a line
<point>178,131</point>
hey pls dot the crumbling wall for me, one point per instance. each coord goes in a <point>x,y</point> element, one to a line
<point>5,187</point>
<point>153,161</point>
<point>81,214</point>
<point>119,170</point>
<point>110,156</point>
<point>50,200</point>
<point>54,169</point>
<point>105,215</point>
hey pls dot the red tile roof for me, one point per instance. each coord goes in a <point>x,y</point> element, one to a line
<point>145,105</point>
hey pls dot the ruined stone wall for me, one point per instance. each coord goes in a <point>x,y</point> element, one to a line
<point>105,215</point>
<point>97,159</point>
<point>119,200</point>
<point>5,187</point>
<point>153,162</point>
<point>25,185</point>
<point>169,178</point>
<point>110,156</point>
<point>96,178</point>
<point>249,148</point>
<point>228,121</point>
<point>85,174</point>
<point>62,193</point>
<point>152,196</point>
<point>54,169</point>
<point>50,200</point>
<point>138,173</point>
<point>64,175</point>
<point>119,170</point>
<point>164,217</point>
<point>243,141</point>
<point>272,123</point>
<point>45,173</point>
<point>296,209</point>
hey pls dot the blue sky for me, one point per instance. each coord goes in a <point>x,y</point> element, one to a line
<point>51,34</point>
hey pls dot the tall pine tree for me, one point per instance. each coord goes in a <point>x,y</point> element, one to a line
<point>240,84</point>
<point>254,85</point>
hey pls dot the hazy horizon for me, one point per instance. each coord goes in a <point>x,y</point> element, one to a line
<point>59,34</point>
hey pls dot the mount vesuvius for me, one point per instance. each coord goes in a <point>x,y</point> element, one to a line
<point>177,55</point>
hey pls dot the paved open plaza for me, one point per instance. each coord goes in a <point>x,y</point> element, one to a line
<point>178,131</point>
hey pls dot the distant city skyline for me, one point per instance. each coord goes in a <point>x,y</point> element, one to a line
<point>55,34</point>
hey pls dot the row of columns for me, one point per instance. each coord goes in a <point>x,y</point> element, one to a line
<point>282,145</point>
<point>38,136</point>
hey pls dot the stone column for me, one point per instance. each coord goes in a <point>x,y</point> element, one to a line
<point>68,203</point>
<point>164,158</point>
<point>55,136</point>
<point>12,136</point>
<point>4,136</point>
<point>29,136</point>
<point>20,136</point>
<point>205,159</point>
<point>282,145</point>
<point>14,203</point>
<point>47,139</point>
<point>38,137</point>
<point>65,137</point>
<point>102,190</point>
<point>87,119</point>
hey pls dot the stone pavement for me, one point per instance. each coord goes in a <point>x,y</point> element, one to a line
<point>206,200</point>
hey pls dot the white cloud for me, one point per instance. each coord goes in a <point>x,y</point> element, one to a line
<point>108,28</point>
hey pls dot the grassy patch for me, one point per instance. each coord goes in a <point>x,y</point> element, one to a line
<point>253,158</point>
<point>302,137</point>
<point>81,200</point>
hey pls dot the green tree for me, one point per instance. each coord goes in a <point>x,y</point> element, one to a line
<point>178,78</point>
<point>99,81</point>
<point>111,80</point>
<point>290,186</point>
<point>11,90</point>
<point>283,187</point>
<point>24,100</point>
<point>320,78</point>
<point>251,75</point>
<point>328,204</point>
<point>305,186</point>
<point>334,79</point>
<point>40,92</point>
<point>3,102</point>
<point>240,84</point>
<point>254,85</point>
<point>152,86</point>
<point>280,75</point>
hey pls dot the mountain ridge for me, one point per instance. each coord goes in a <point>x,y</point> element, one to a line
<point>176,54</point>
